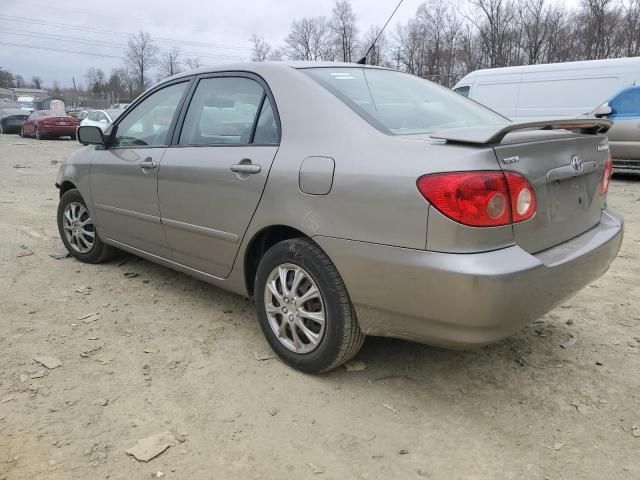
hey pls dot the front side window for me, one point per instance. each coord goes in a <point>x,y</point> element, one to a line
<point>464,91</point>
<point>627,103</point>
<point>401,104</point>
<point>222,111</point>
<point>148,123</point>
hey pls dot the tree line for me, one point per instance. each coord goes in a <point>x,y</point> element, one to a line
<point>442,41</point>
<point>144,63</point>
<point>445,40</point>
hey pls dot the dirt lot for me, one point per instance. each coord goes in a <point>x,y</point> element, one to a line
<point>169,353</point>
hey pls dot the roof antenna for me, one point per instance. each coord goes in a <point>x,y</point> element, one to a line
<point>363,60</point>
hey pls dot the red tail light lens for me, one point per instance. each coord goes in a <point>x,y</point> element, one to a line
<point>480,199</point>
<point>606,176</point>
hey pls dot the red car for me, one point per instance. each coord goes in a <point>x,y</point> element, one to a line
<point>43,124</point>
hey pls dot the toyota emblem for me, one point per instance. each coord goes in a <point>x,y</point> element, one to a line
<point>576,163</point>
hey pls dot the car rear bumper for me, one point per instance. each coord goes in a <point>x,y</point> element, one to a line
<point>622,164</point>
<point>59,130</point>
<point>465,300</point>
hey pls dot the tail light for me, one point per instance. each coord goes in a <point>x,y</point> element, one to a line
<point>606,176</point>
<point>480,199</point>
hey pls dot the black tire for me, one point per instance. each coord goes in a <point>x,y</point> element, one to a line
<point>342,337</point>
<point>100,251</point>
<point>37,134</point>
<point>1,130</point>
<point>21,133</point>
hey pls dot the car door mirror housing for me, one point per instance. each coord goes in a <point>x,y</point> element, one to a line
<point>90,135</point>
<point>602,111</point>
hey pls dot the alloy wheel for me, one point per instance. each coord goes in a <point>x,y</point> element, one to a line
<point>295,308</point>
<point>78,227</point>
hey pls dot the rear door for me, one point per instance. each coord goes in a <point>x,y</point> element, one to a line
<point>212,177</point>
<point>565,170</point>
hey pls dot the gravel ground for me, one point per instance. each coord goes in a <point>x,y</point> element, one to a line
<point>169,353</point>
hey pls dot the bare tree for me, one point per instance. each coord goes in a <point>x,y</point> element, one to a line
<point>36,81</point>
<point>7,80</point>
<point>494,20</point>
<point>170,63</point>
<point>259,48</point>
<point>309,39</point>
<point>192,63</point>
<point>95,79</point>
<point>141,56</point>
<point>345,30</point>
<point>378,52</point>
<point>631,22</point>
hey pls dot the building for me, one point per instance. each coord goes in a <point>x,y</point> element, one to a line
<point>28,92</point>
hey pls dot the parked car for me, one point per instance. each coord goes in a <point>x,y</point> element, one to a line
<point>26,103</point>
<point>11,119</point>
<point>623,109</point>
<point>347,200</point>
<point>556,90</point>
<point>43,124</point>
<point>101,118</point>
<point>82,114</point>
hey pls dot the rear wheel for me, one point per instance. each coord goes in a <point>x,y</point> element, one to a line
<point>77,230</point>
<point>1,130</point>
<point>304,309</point>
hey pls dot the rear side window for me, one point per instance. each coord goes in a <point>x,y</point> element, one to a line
<point>627,103</point>
<point>223,111</point>
<point>399,103</point>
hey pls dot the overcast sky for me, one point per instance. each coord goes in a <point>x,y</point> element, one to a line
<point>225,26</point>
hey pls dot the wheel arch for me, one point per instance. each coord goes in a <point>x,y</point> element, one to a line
<point>66,186</point>
<point>262,241</point>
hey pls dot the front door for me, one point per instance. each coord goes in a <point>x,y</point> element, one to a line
<point>211,181</point>
<point>624,135</point>
<point>124,176</point>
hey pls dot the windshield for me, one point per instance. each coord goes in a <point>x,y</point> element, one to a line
<point>114,113</point>
<point>401,104</point>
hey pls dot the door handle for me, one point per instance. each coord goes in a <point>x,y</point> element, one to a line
<point>148,164</point>
<point>246,168</point>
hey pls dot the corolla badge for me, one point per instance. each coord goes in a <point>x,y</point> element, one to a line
<point>576,163</point>
<point>510,160</point>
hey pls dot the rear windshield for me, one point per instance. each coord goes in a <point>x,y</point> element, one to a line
<point>402,104</point>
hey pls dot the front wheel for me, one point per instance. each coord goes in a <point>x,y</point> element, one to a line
<point>77,230</point>
<point>304,309</point>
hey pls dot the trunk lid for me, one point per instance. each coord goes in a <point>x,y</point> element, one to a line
<point>565,171</point>
<point>564,162</point>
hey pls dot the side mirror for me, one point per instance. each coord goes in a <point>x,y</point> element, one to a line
<point>90,135</point>
<point>602,111</point>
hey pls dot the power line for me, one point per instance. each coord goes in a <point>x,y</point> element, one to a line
<point>112,33</point>
<point>100,43</point>
<point>36,47</point>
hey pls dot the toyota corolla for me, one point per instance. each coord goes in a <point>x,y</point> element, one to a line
<point>347,201</point>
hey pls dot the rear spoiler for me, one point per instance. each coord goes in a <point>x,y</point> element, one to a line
<point>492,134</point>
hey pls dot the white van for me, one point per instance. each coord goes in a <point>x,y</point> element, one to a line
<point>554,90</point>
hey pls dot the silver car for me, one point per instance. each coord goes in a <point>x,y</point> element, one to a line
<point>347,201</point>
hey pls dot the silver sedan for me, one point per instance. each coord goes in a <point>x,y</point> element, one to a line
<point>347,201</point>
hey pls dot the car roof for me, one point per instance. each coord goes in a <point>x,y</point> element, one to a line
<point>259,67</point>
